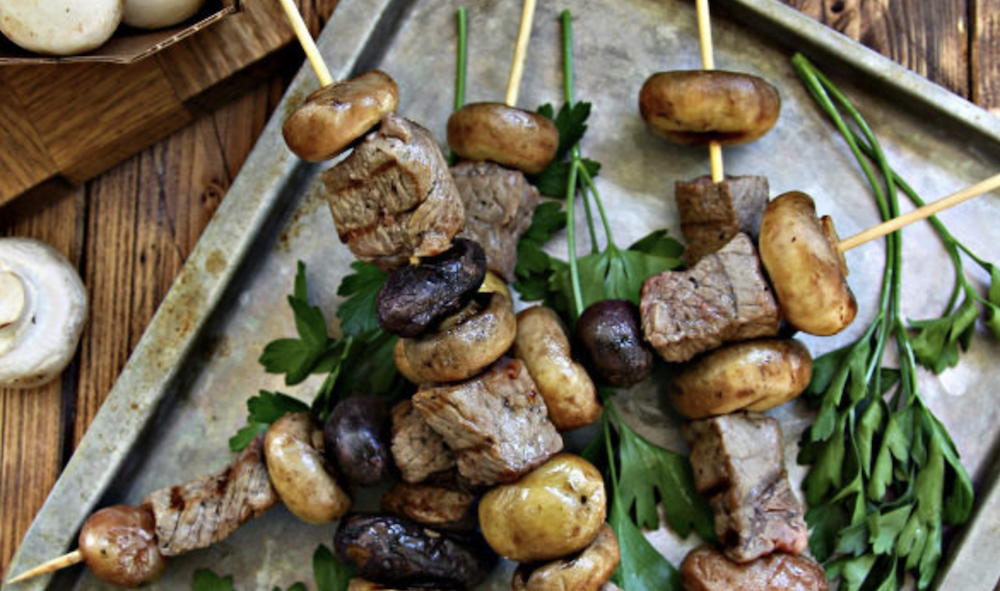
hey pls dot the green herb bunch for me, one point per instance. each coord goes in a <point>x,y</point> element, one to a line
<point>885,478</point>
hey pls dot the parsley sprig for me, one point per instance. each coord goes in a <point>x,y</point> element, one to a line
<point>884,476</point>
<point>329,573</point>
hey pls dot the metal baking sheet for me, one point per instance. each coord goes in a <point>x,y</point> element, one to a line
<point>183,392</point>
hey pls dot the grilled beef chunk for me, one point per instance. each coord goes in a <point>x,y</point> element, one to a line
<point>712,214</point>
<point>499,203</point>
<point>417,449</point>
<point>416,297</point>
<point>393,197</point>
<point>739,464</point>
<point>707,569</point>
<point>393,550</point>
<point>496,422</point>
<point>207,509</point>
<point>723,298</point>
<point>441,506</point>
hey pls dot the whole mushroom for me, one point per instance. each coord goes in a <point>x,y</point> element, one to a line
<point>157,14</point>
<point>43,305</point>
<point>60,27</point>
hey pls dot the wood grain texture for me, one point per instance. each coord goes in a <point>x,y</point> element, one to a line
<point>985,55</point>
<point>22,154</point>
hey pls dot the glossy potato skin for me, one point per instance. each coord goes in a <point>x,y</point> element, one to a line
<point>587,571</point>
<point>805,266</point>
<point>505,135</point>
<point>696,107</point>
<point>464,344</point>
<point>569,393</point>
<point>750,375</point>
<point>118,543</point>
<point>555,510</point>
<point>336,115</point>
<point>299,472</point>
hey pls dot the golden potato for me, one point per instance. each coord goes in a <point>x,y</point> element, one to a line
<point>587,571</point>
<point>554,511</point>
<point>569,393</point>
<point>299,473</point>
<point>505,135</point>
<point>751,375</point>
<point>806,267</point>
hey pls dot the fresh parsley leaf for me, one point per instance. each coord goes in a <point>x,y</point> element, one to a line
<point>642,567</point>
<point>548,219</point>
<point>206,580</point>
<point>612,274</point>
<point>357,313</point>
<point>936,344</point>
<point>552,181</point>
<point>264,409</point>
<point>534,266</point>
<point>571,123</point>
<point>648,471</point>
<point>659,244</point>
<point>330,573</point>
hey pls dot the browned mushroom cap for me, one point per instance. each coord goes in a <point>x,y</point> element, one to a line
<point>505,135</point>
<point>701,106</point>
<point>587,571</point>
<point>806,267</point>
<point>336,115</point>
<point>118,543</point>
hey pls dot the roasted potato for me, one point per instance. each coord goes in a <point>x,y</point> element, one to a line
<point>806,267</point>
<point>750,375</point>
<point>299,473</point>
<point>701,106</point>
<point>505,135</point>
<point>587,571</point>
<point>554,511</point>
<point>464,344</point>
<point>541,343</point>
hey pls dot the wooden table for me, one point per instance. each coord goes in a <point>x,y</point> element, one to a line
<point>130,230</point>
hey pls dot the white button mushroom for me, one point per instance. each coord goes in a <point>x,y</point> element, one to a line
<point>157,14</point>
<point>43,305</point>
<point>60,27</point>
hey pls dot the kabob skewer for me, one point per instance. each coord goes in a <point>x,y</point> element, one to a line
<point>708,63</point>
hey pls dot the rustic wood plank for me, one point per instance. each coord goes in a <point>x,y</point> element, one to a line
<point>24,162</point>
<point>33,422</point>
<point>984,47</point>
<point>929,38</point>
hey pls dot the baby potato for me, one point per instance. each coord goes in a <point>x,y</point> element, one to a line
<point>806,266</point>
<point>751,375</point>
<point>299,473</point>
<point>569,393</point>
<point>554,511</point>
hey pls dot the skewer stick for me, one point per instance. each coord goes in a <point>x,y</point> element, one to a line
<point>520,52</point>
<point>306,40</point>
<point>708,63</point>
<point>918,214</point>
<point>55,564</point>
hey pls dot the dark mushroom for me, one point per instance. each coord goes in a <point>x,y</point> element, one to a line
<point>416,297</point>
<point>611,337</point>
<point>357,439</point>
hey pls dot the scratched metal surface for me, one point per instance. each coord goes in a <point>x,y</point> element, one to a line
<point>183,393</point>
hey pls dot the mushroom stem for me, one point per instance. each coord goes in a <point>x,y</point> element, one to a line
<point>12,298</point>
<point>520,52</point>
<point>918,214</point>
<point>55,564</point>
<point>708,63</point>
<point>306,40</point>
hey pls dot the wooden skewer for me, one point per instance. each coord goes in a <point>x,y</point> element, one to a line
<point>306,40</point>
<point>520,52</point>
<point>708,63</point>
<point>55,564</point>
<point>918,214</point>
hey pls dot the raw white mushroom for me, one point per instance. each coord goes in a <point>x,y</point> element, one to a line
<point>157,14</point>
<point>60,27</point>
<point>43,305</point>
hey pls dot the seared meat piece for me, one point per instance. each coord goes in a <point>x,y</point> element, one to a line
<point>393,197</point>
<point>417,449</point>
<point>712,214</point>
<point>441,507</point>
<point>207,509</point>
<point>723,298</point>
<point>707,569</point>
<point>739,464</point>
<point>496,422</point>
<point>499,203</point>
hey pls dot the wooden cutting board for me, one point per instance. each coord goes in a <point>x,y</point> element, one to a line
<point>78,120</point>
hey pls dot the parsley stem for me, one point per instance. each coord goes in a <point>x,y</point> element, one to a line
<point>589,181</point>
<point>460,67</point>
<point>574,269</point>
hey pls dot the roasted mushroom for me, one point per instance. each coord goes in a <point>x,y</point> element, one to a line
<point>357,439</point>
<point>806,267</point>
<point>611,337</point>
<point>505,135</point>
<point>701,106</point>
<point>118,543</point>
<point>416,297</point>
<point>587,571</point>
